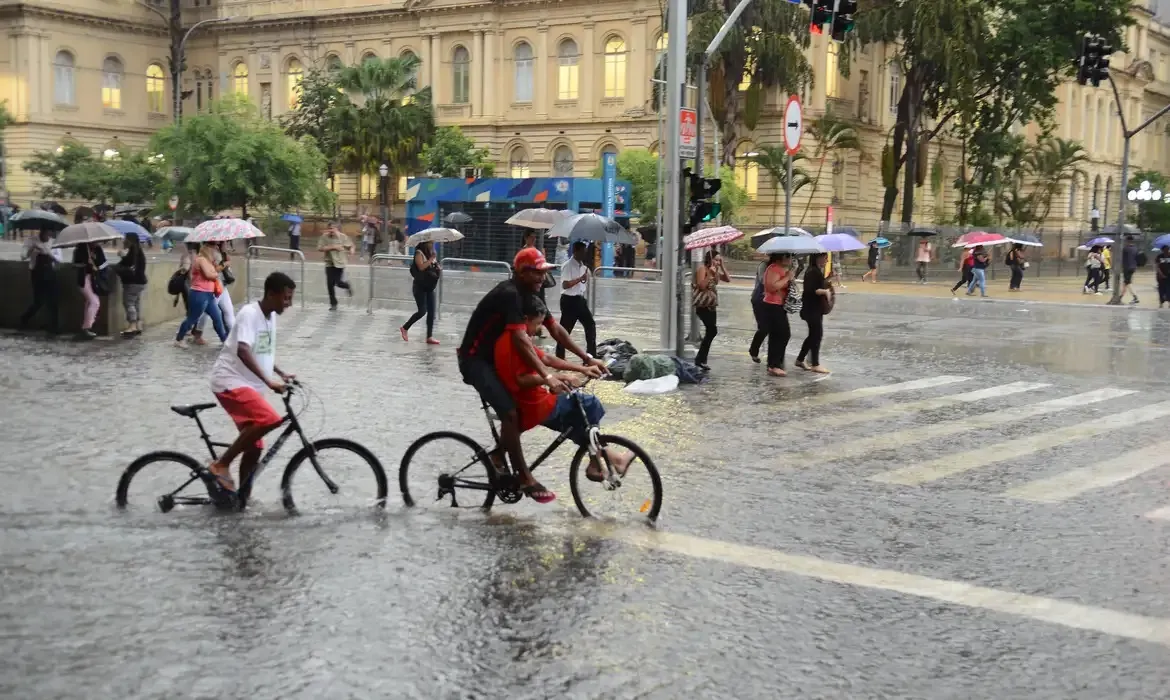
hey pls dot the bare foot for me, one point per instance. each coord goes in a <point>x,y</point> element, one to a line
<point>620,464</point>
<point>432,341</point>
<point>819,369</point>
<point>223,475</point>
<point>777,372</point>
<point>402,332</point>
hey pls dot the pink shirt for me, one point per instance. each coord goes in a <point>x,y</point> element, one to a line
<point>199,283</point>
<point>924,251</point>
<point>770,298</point>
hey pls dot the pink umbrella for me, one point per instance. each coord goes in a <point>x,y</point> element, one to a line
<point>223,230</point>
<point>979,238</point>
<point>712,236</point>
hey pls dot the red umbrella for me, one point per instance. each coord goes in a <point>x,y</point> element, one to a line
<point>712,236</point>
<point>979,238</point>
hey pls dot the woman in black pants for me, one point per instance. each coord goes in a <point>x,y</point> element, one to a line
<point>812,310</point>
<point>777,277</point>
<point>760,312</point>
<point>705,298</point>
<point>425,271</point>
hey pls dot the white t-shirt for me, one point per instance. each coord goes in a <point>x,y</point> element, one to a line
<point>571,270</point>
<point>259,334</point>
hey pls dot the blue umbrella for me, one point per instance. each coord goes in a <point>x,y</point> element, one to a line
<point>1100,240</point>
<point>292,218</point>
<point>881,242</point>
<point>127,227</point>
<point>840,242</point>
<point>1162,240</point>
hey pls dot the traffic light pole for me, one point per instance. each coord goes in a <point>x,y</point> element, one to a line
<point>1128,134</point>
<point>669,328</point>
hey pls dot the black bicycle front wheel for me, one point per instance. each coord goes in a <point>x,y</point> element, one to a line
<point>345,476</point>
<point>638,496</point>
<point>162,481</point>
<point>446,469</point>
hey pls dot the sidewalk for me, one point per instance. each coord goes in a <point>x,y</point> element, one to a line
<point>1060,290</point>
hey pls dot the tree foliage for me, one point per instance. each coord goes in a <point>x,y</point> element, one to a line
<point>1151,215</point>
<point>75,172</point>
<point>640,168</point>
<point>315,116</point>
<point>832,135</point>
<point>774,161</point>
<point>229,157</point>
<point>450,151</point>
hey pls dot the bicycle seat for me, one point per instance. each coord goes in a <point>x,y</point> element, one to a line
<point>190,410</point>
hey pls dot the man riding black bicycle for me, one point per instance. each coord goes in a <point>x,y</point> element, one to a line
<point>501,311</point>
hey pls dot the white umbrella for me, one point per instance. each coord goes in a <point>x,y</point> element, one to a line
<point>434,235</point>
<point>761,236</point>
<point>86,232</point>
<point>791,245</point>
<point>538,218</point>
<point>223,230</point>
<point>592,227</point>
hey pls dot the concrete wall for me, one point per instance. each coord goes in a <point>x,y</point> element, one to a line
<point>157,305</point>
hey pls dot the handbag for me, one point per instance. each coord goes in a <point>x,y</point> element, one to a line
<point>227,276</point>
<point>828,300</point>
<point>548,282</point>
<point>793,302</point>
<point>177,284</point>
<point>100,282</point>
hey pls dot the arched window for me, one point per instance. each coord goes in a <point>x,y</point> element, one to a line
<point>409,57</point>
<point>1105,213</point>
<point>563,162</point>
<point>567,59</point>
<point>156,91</point>
<point>198,92</point>
<point>63,67</point>
<point>523,63</point>
<point>112,150</point>
<point>1096,197</point>
<point>1099,128</point>
<point>895,87</point>
<point>333,64</point>
<point>660,55</point>
<point>112,83</point>
<point>296,76</point>
<point>1072,197</point>
<point>615,67</point>
<point>240,79</point>
<point>518,163</point>
<point>210,85</point>
<point>832,72</point>
<point>747,172</point>
<point>461,74</point>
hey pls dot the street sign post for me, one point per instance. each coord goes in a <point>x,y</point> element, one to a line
<point>793,128</point>
<point>688,132</point>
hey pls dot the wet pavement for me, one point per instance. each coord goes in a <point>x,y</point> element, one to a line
<point>945,516</point>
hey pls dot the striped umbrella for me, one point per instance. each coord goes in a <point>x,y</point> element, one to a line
<point>223,230</point>
<point>712,236</point>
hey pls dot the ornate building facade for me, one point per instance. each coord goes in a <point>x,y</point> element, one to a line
<point>547,87</point>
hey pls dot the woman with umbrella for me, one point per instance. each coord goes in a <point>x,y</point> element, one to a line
<point>1016,260</point>
<point>872,261</point>
<point>979,262</point>
<point>89,259</point>
<point>202,293</point>
<point>705,298</point>
<point>816,297</point>
<point>966,260</point>
<point>777,278</point>
<point>426,271</point>
<point>1094,265</point>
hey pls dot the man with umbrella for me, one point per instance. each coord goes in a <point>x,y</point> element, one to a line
<point>574,305</point>
<point>42,261</point>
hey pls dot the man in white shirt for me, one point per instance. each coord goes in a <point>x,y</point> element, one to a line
<point>575,276</point>
<point>246,366</point>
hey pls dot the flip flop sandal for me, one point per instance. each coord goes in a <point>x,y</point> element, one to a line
<point>222,484</point>
<point>538,493</point>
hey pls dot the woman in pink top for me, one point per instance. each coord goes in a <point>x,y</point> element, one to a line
<point>201,298</point>
<point>776,281</point>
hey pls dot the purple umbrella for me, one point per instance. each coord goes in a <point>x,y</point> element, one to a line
<point>840,242</point>
<point>127,227</point>
<point>1100,240</point>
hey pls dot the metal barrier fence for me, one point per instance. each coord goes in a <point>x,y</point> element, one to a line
<point>373,260</point>
<point>252,253</point>
<point>461,288</point>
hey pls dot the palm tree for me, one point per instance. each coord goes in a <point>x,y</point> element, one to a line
<point>1051,163</point>
<point>389,122</point>
<point>774,161</point>
<point>833,135</point>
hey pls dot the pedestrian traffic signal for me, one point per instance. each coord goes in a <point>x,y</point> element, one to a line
<point>701,208</point>
<point>1093,61</point>
<point>822,14</point>
<point>843,19</point>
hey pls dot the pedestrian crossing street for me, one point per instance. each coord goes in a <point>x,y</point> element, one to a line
<point>1138,414</point>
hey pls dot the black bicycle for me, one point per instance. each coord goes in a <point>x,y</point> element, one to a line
<point>466,475</point>
<point>329,457</point>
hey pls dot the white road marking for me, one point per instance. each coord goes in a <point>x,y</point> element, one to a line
<point>873,414</point>
<point>1066,485</point>
<point>922,433</point>
<point>882,390</point>
<point>1162,513</point>
<point>952,464</point>
<point>1050,610</point>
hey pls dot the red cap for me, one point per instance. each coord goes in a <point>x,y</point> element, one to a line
<point>531,258</point>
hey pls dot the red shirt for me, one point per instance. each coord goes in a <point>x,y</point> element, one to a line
<point>534,405</point>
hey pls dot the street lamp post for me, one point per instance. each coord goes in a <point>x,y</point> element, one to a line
<point>177,68</point>
<point>383,174</point>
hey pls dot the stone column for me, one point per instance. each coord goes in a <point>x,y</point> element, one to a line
<point>477,74</point>
<point>424,55</point>
<point>636,78</point>
<point>436,70</point>
<point>254,76</point>
<point>490,76</point>
<point>588,59</point>
<point>350,53</point>
<point>541,94</point>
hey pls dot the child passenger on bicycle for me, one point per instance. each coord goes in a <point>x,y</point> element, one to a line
<point>537,406</point>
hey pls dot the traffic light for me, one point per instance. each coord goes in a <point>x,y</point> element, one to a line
<point>1093,61</point>
<point>821,14</point>
<point>701,208</point>
<point>843,19</point>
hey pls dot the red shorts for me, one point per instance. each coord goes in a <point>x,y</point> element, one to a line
<point>248,409</point>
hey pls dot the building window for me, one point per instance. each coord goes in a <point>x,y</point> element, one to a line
<point>518,163</point>
<point>208,76</point>
<point>832,72</point>
<point>240,79</point>
<point>1108,195</point>
<point>198,94</point>
<point>155,88</point>
<point>522,58</point>
<point>112,151</point>
<point>1072,198</point>
<point>615,67</point>
<point>415,64</point>
<point>63,92</point>
<point>296,76</point>
<point>333,64</point>
<point>660,56</point>
<point>461,73</point>
<point>112,83</point>
<point>747,172</point>
<point>563,162</point>
<point>567,59</point>
<point>895,87</point>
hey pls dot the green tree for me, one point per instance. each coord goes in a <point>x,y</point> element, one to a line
<point>450,151</point>
<point>1051,164</point>
<point>639,167</point>
<point>774,161</point>
<point>230,157</point>
<point>993,63</point>
<point>764,49</point>
<point>832,135</point>
<point>1151,215</point>
<point>74,172</point>
<point>732,198</point>
<point>316,115</point>
<point>391,120</point>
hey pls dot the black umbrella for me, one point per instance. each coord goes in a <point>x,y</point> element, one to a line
<point>457,218</point>
<point>36,220</point>
<point>1127,229</point>
<point>922,231</point>
<point>53,207</point>
<point>592,227</point>
<point>649,233</point>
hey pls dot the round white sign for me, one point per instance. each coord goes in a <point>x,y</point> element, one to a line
<point>793,124</point>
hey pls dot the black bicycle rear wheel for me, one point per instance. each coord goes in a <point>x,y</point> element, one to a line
<point>356,478</point>
<point>638,496</point>
<point>448,469</point>
<point>175,479</point>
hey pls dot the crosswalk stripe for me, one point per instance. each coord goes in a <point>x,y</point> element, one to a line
<point>1162,513</point>
<point>952,464</point>
<point>883,390</point>
<point>1064,486</point>
<point>901,438</point>
<point>872,414</point>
